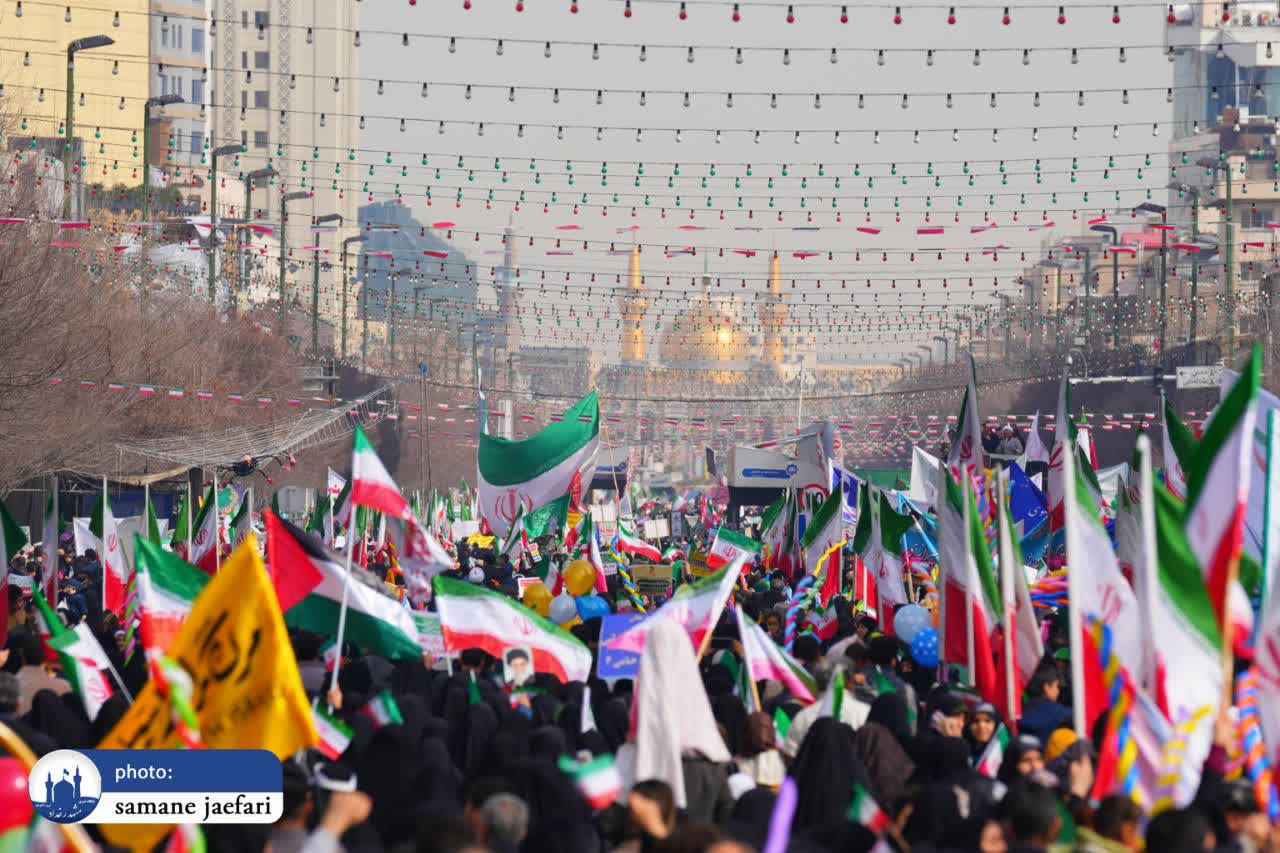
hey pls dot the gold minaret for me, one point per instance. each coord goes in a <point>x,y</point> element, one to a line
<point>633,305</point>
<point>773,314</point>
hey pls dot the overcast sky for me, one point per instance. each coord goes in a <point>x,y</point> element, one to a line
<point>714,73</point>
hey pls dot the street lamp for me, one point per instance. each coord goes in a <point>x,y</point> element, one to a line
<point>1115,280</point>
<point>249,180</point>
<point>358,238</point>
<point>1083,358</point>
<point>926,348</point>
<point>160,101</point>
<point>1148,207</point>
<point>220,151</point>
<point>86,43</point>
<point>1227,241</point>
<point>315,279</point>
<point>946,348</point>
<point>284,241</point>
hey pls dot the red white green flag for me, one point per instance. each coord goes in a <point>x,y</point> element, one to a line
<point>598,779</point>
<point>474,617</point>
<point>970,597</point>
<point>166,588</point>
<point>729,545</point>
<point>696,607</point>
<point>371,483</point>
<point>382,709</point>
<point>630,543</point>
<point>966,449</point>
<point>85,665</point>
<point>335,735</point>
<point>864,810</point>
<point>878,541</point>
<point>993,755</point>
<point>767,662</point>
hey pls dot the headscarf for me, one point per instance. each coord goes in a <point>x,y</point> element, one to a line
<point>987,709</point>
<point>944,760</point>
<point>886,761</point>
<point>612,722</point>
<point>1018,747</point>
<point>890,711</point>
<point>672,715</point>
<point>826,768</point>
<point>439,780</point>
<point>731,715</point>
<point>68,727</point>
<point>548,743</point>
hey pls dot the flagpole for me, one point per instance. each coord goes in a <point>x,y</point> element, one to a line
<point>51,551</point>
<point>940,486</point>
<point>217,527</point>
<point>342,612</point>
<point>1270,509</point>
<point>1149,556</point>
<point>189,509</point>
<point>967,485</point>
<point>106,508</point>
<point>1007,568</point>
<point>1075,625</point>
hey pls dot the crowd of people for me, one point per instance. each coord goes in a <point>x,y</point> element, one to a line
<point>474,765</point>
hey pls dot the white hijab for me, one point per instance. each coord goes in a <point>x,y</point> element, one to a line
<point>673,715</point>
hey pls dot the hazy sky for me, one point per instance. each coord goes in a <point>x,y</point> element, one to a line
<point>714,73</point>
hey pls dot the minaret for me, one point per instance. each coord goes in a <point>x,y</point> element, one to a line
<point>48,789</point>
<point>773,315</point>
<point>76,779</point>
<point>507,283</point>
<point>632,304</point>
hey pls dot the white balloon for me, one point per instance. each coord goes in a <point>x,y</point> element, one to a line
<point>476,575</point>
<point>562,608</point>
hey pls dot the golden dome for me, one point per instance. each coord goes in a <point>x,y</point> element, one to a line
<point>704,336</point>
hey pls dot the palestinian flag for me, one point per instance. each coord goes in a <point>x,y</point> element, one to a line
<point>598,779</point>
<point>1217,498</point>
<point>878,541</point>
<point>728,546</point>
<point>371,483</point>
<point>335,735</point>
<point>993,755</point>
<point>473,617</point>
<point>383,710</point>
<point>766,662</point>
<point>85,665</point>
<point>629,542</point>
<point>965,457</point>
<point>166,587</point>
<point>532,471</point>
<point>970,597</point>
<point>696,606</point>
<point>309,580</point>
<point>864,810</point>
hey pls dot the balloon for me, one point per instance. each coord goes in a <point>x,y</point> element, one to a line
<point>591,606</point>
<point>924,648</point>
<point>562,608</point>
<point>579,577</point>
<point>476,575</point>
<point>574,621</point>
<point>538,597</point>
<point>909,621</point>
<point>15,804</point>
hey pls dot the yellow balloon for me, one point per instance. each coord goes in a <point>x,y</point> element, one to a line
<point>538,597</point>
<point>579,577</point>
<point>577,620</point>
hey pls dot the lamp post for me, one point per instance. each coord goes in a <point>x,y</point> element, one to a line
<point>926,348</point>
<point>284,251</point>
<point>1226,241</point>
<point>68,149</point>
<point>389,317</point>
<point>161,101</point>
<point>946,349</point>
<point>315,278</point>
<point>249,180</point>
<point>431,307</point>
<point>220,151</point>
<point>1115,280</point>
<point>1148,207</point>
<point>358,238</point>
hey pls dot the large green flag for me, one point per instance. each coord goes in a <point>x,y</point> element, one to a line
<point>12,539</point>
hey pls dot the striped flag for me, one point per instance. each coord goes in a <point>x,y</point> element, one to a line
<point>993,755</point>
<point>335,735</point>
<point>598,780</point>
<point>864,810</point>
<point>383,710</point>
<point>767,662</point>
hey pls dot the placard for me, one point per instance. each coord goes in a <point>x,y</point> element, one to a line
<point>656,528</point>
<point>429,633</point>
<point>613,663</point>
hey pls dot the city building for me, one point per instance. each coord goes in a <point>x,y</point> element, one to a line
<point>180,62</point>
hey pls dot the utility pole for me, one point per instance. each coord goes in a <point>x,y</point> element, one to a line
<point>315,279</point>
<point>68,148</point>
<point>220,151</point>
<point>1195,275</point>
<point>1228,283</point>
<point>249,180</point>
<point>342,348</point>
<point>284,251</point>
<point>161,101</point>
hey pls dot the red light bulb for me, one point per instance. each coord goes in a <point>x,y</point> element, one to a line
<point>626,10</point>
<point>1062,15</point>
<point>951,16</point>
<point>1006,19</point>
<point>844,14</point>
<point>737,15</point>
<point>791,15</point>
<point>1115,14</point>
<point>897,14</point>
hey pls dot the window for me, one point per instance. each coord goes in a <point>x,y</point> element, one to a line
<point>177,37</point>
<point>244,59</point>
<point>197,141</point>
<point>164,36</point>
<point>259,139</point>
<point>262,19</point>
<point>262,99</point>
<point>244,18</point>
<point>244,139</point>
<point>197,91</point>
<point>261,59</point>
<point>197,40</point>
<point>176,88</point>
<point>244,99</point>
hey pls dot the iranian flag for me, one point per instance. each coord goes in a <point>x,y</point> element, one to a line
<point>204,537</point>
<point>729,546</point>
<point>864,810</point>
<point>970,598</point>
<point>629,542</point>
<point>966,450</point>
<point>49,578</point>
<point>766,662</point>
<point>993,754</point>
<point>548,519</point>
<point>12,540</point>
<point>775,527</point>
<point>825,528</point>
<point>382,709</point>
<point>474,617</point>
<point>166,588</point>
<point>532,471</point>
<point>1065,441</point>
<point>371,483</point>
<point>309,579</point>
<point>878,541</point>
<point>1021,646</point>
<point>598,779</point>
<point>335,735</point>
<point>242,524</point>
<point>1179,447</point>
<point>1217,497</point>
<point>85,665</point>
<point>696,607</point>
<point>115,568</point>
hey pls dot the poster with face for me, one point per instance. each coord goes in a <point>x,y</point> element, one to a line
<point>517,665</point>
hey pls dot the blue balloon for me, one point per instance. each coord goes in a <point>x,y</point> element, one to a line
<point>924,648</point>
<point>909,621</point>
<point>591,607</point>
